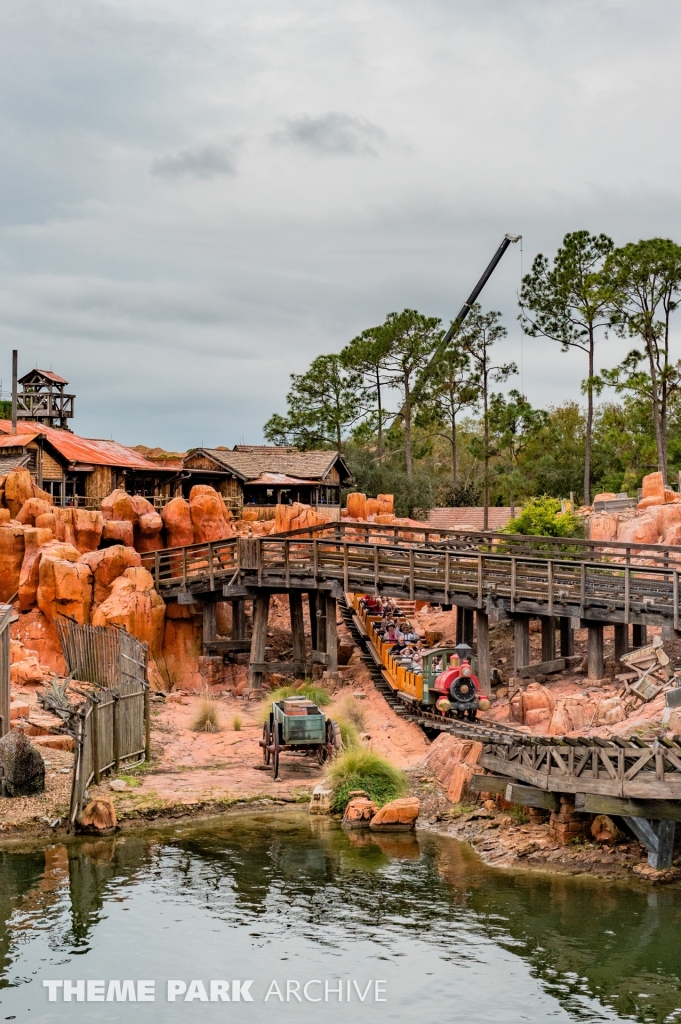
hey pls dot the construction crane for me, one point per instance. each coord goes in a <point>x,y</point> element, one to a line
<point>466,308</point>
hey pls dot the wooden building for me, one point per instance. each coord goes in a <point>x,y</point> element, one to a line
<point>81,471</point>
<point>261,477</point>
<point>42,399</point>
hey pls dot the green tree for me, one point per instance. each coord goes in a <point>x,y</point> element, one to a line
<point>322,405</point>
<point>642,281</point>
<point>410,340</point>
<point>367,355</point>
<point>567,303</point>
<point>481,332</point>
<point>449,386</point>
<point>553,460</point>
<point>513,423</point>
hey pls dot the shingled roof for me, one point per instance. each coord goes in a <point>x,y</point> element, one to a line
<point>249,463</point>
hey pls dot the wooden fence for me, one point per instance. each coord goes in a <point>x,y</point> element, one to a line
<point>5,616</point>
<point>112,726</point>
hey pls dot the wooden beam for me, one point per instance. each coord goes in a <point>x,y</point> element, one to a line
<point>567,637</point>
<point>639,636</point>
<point>295,600</point>
<point>314,622</point>
<point>596,665</point>
<point>548,638</point>
<point>319,658</point>
<point>238,619</point>
<point>546,668</point>
<point>530,796</point>
<point>662,810</point>
<point>489,783</point>
<point>229,646</point>
<point>621,640</point>
<point>261,611</point>
<point>332,634</point>
<point>209,609</point>
<point>521,641</point>
<point>484,667</point>
<point>286,668</point>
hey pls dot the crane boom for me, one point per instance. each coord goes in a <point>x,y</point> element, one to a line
<point>466,308</point>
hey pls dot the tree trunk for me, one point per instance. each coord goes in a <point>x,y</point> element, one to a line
<point>454,465</point>
<point>485,493</point>
<point>407,430</point>
<point>589,422</point>
<point>379,446</point>
<point>657,412</point>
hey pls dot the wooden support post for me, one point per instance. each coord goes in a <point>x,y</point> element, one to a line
<point>464,626</point>
<point>331,635</point>
<point>147,723</point>
<point>295,601</point>
<point>521,641</point>
<point>116,734</point>
<point>261,610</point>
<point>548,638</point>
<point>238,619</point>
<point>484,668</point>
<point>321,621</point>
<point>312,604</point>
<point>621,640</point>
<point>567,638</point>
<point>657,837</point>
<point>595,663</point>
<point>639,636</point>
<point>459,624</point>
<point>209,622</point>
<point>94,721</point>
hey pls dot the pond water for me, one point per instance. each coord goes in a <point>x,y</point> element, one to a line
<point>363,928</point>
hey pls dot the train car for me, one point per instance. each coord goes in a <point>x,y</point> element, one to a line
<point>446,679</point>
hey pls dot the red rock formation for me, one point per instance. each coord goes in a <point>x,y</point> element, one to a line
<point>373,507</point>
<point>119,505</point>
<point>64,584</point>
<point>148,532</point>
<point>31,509</point>
<point>387,504</point>
<point>603,527</point>
<point>107,565</point>
<point>359,812</point>
<point>209,515</point>
<point>182,648</point>
<point>356,504</point>
<point>11,558</point>
<point>177,519</point>
<point>135,604</point>
<point>285,514</point>
<point>397,814</point>
<point>18,489</point>
<point>120,530</point>
<point>87,527</point>
<point>34,542</point>
<point>48,521</point>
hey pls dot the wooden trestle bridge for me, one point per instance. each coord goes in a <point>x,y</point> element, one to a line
<point>489,577</point>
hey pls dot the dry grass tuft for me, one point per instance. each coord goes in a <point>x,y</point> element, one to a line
<point>207,718</point>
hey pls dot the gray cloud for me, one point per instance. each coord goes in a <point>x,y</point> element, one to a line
<point>333,134</point>
<point>206,162</point>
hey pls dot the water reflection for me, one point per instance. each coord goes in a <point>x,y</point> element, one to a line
<point>583,940</point>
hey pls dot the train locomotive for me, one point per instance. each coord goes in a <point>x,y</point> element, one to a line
<point>447,680</point>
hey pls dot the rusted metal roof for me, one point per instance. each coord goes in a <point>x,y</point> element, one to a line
<point>47,374</point>
<point>17,440</point>
<point>90,451</point>
<point>278,480</point>
<point>10,462</point>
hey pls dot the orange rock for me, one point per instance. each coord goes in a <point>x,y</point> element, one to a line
<point>285,514</point>
<point>5,516</point>
<point>148,532</point>
<point>673,535</point>
<point>119,530</point>
<point>28,671</point>
<point>177,519</point>
<point>359,812</point>
<point>182,648</point>
<point>385,519</point>
<point>372,507</point>
<point>208,514</point>
<point>87,528</point>
<point>356,504</point>
<point>120,505</point>
<point>642,530</point>
<point>64,586</point>
<point>653,486</point>
<point>387,503</point>
<point>18,489</point>
<point>459,786</point>
<point>11,558</point>
<point>605,496</point>
<point>142,506</point>
<point>60,742</point>
<point>651,502</point>
<point>536,705</point>
<point>34,541</point>
<point>398,814</point>
<point>48,521</point>
<point>107,565</point>
<point>666,516</point>
<point>250,515</point>
<point>135,604</point>
<point>98,816</point>
<point>18,709</point>
<point>603,526</point>
<point>31,509</point>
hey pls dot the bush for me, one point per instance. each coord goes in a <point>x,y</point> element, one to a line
<point>362,769</point>
<point>317,694</point>
<point>352,711</point>
<point>349,734</point>
<point>236,723</point>
<point>207,719</point>
<point>542,517</point>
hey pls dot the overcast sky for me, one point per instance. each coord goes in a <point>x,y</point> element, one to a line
<point>199,196</point>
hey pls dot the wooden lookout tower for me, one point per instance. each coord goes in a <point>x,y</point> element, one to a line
<point>43,400</point>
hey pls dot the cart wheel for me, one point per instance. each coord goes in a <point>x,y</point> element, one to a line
<point>266,740</point>
<point>275,755</point>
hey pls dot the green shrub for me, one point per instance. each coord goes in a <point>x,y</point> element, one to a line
<point>349,733</point>
<point>236,723</point>
<point>352,711</point>
<point>358,768</point>
<point>542,517</point>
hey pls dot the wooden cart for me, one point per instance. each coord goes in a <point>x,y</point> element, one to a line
<point>297,724</point>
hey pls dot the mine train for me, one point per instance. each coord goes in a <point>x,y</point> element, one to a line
<point>446,682</point>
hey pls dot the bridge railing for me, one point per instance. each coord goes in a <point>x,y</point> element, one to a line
<point>213,563</point>
<point>560,585</point>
